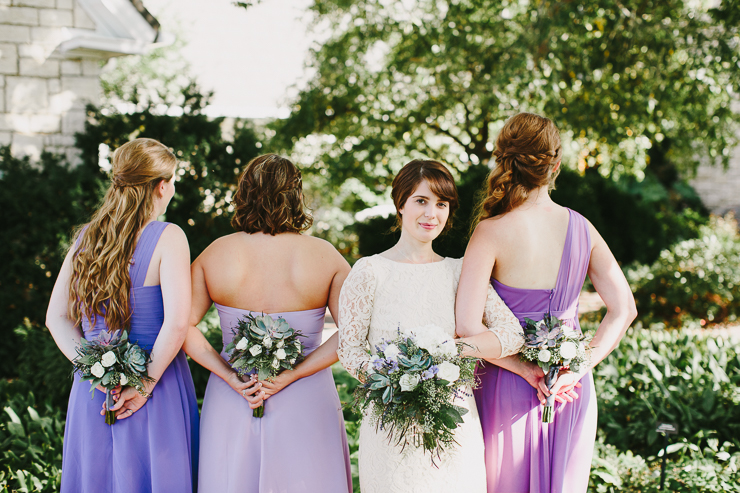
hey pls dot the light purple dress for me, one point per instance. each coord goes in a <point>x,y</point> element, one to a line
<point>523,455</point>
<point>156,449</point>
<point>298,446</point>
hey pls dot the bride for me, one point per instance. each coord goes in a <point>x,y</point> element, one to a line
<point>411,286</point>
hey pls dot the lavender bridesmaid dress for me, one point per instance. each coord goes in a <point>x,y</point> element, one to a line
<point>299,446</point>
<point>523,455</point>
<point>156,449</point>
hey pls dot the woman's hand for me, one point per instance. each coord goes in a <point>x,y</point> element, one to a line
<point>127,403</point>
<point>277,384</point>
<point>564,387</point>
<point>535,377</point>
<point>250,389</point>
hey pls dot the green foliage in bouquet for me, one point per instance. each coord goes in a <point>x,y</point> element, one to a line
<point>694,279</point>
<point>410,387</point>
<point>30,444</point>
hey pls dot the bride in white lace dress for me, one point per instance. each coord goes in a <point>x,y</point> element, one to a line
<point>411,286</point>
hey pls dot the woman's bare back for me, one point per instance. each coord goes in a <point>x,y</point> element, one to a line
<point>272,274</point>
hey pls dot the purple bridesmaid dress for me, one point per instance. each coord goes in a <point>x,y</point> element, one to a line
<point>156,449</point>
<point>298,446</point>
<point>524,455</point>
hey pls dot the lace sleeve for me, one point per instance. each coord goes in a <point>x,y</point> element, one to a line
<point>502,322</point>
<point>355,310</point>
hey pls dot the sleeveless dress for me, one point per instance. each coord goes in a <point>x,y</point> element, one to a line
<point>524,455</point>
<point>156,449</point>
<point>298,446</point>
<point>379,297</point>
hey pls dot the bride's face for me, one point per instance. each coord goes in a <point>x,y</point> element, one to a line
<point>424,214</point>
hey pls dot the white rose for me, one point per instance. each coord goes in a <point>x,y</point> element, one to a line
<point>568,350</point>
<point>255,350</point>
<point>448,371</point>
<point>544,355</point>
<point>391,352</point>
<point>408,382</point>
<point>267,342</point>
<point>97,370</point>
<point>280,343</point>
<point>275,363</point>
<point>292,361</point>
<point>124,380</point>
<point>280,353</point>
<point>242,344</point>
<point>108,359</point>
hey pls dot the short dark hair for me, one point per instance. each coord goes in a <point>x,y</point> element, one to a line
<point>269,198</point>
<point>440,182</point>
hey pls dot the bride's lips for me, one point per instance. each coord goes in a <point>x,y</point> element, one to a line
<point>428,226</point>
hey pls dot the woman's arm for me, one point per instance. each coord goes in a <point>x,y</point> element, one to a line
<point>355,311</point>
<point>326,354</point>
<point>65,332</point>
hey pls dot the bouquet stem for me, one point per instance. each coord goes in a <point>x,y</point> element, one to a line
<point>110,416</point>
<point>548,413</point>
<point>259,412</point>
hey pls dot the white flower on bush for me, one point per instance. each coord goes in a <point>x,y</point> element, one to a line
<point>123,381</point>
<point>97,370</point>
<point>280,353</point>
<point>391,352</point>
<point>568,350</point>
<point>267,342</point>
<point>108,359</point>
<point>275,363</point>
<point>408,382</point>
<point>242,344</point>
<point>544,356</point>
<point>448,371</point>
<point>255,350</point>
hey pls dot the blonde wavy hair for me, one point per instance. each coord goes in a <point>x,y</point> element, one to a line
<point>100,282</point>
<point>527,151</point>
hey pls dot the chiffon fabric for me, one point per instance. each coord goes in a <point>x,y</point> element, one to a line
<point>524,455</point>
<point>298,446</point>
<point>156,449</point>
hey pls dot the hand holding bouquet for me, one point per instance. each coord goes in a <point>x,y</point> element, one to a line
<point>266,345</point>
<point>411,383</point>
<point>554,346</point>
<point>110,361</point>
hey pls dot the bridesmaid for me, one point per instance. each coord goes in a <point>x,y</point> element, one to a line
<point>537,255</point>
<point>269,267</point>
<point>129,271</point>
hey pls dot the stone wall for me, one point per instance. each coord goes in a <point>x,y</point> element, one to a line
<point>719,188</point>
<point>43,93</point>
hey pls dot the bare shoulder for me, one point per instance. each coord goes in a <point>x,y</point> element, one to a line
<point>174,234</point>
<point>495,227</point>
<point>321,247</point>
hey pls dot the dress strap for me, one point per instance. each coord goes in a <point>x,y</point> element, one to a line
<point>143,252</point>
<point>574,267</point>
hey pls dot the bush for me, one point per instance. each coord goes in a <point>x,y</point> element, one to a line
<point>694,279</point>
<point>681,377</point>
<point>31,444</point>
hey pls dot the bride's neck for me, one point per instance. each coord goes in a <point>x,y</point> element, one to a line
<point>409,249</point>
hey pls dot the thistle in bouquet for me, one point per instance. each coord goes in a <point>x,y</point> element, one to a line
<point>109,361</point>
<point>265,345</point>
<point>554,346</point>
<point>410,385</point>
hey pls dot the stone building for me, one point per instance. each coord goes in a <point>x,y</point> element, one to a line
<point>718,188</point>
<point>51,55</point>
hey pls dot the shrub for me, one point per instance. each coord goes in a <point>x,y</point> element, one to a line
<point>694,279</point>
<point>31,444</point>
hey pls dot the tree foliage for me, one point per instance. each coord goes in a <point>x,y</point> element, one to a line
<point>628,82</point>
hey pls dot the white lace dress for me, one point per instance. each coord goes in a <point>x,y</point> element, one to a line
<point>378,297</point>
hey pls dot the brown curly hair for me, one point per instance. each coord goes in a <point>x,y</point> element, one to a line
<point>527,150</point>
<point>440,180</point>
<point>100,284</point>
<point>269,198</point>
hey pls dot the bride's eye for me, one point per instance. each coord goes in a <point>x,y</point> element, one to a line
<point>442,204</point>
<point>420,201</point>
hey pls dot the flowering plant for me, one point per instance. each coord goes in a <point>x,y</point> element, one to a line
<point>266,345</point>
<point>109,361</point>
<point>554,346</point>
<point>412,382</point>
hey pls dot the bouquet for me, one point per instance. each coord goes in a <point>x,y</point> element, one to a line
<point>266,345</point>
<point>110,361</point>
<point>411,383</point>
<point>553,346</point>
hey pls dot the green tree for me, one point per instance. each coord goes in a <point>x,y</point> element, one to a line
<point>629,82</point>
